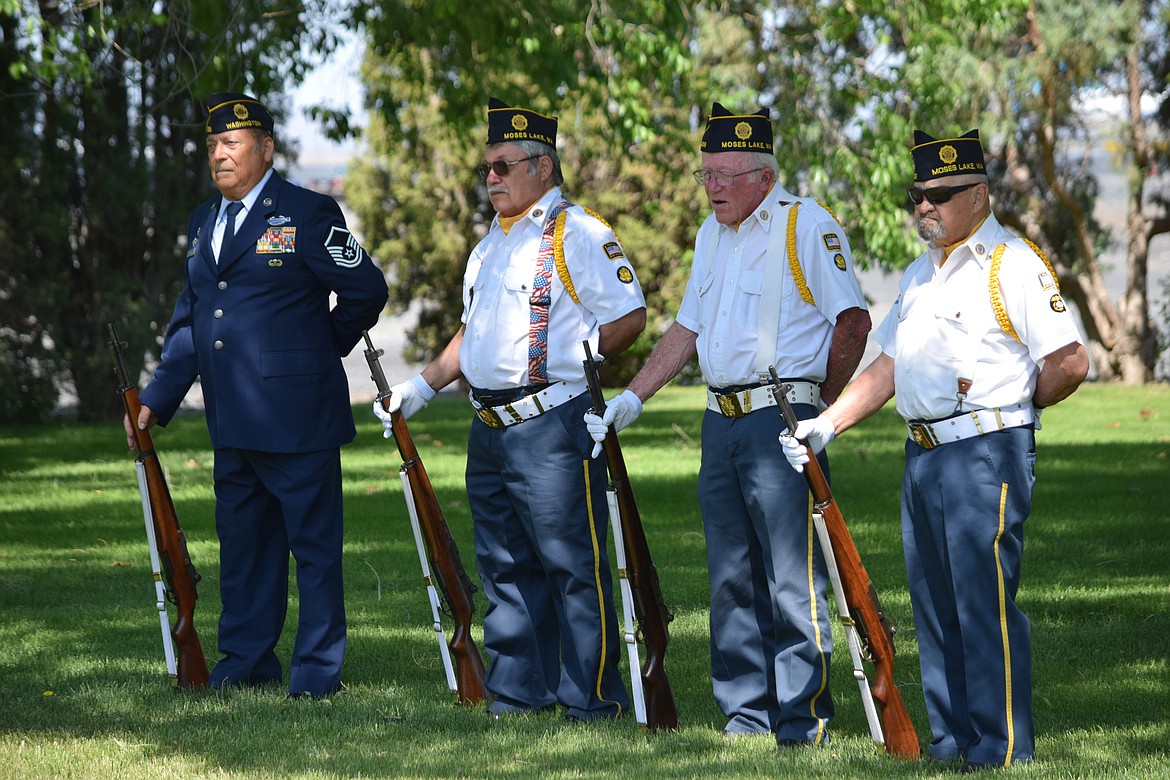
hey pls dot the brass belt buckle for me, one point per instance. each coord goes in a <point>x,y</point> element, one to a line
<point>489,417</point>
<point>729,405</point>
<point>921,435</point>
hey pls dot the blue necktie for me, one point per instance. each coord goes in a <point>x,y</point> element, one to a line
<point>229,229</point>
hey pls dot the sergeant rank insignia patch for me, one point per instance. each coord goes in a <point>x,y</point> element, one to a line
<point>343,247</point>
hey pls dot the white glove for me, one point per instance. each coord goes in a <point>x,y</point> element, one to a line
<point>408,397</point>
<point>817,432</point>
<point>619,413</point>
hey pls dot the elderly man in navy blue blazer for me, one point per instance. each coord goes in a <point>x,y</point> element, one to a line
<point>254,323</point>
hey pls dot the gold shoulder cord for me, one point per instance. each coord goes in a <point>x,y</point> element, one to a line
<point>793,263</point>
<point>559,250</point>
<point>831,213</point>
<point>997,303</point>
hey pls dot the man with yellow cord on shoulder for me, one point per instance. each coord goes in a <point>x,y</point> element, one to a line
<point>976,344</point>
<point>548,276</point>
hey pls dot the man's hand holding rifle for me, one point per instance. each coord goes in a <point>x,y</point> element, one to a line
<point>861,612</point>
<point>436,546</point>
<point>175,575</point>
<point>653,698</point>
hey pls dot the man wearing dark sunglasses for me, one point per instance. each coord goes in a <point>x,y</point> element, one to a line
<point>976,344</point>
<point>771,284</point>
<point>547,276</point>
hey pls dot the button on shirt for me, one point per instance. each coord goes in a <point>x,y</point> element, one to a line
<point>498,283</point>
<point>723,296</point>
<point>943,326</point>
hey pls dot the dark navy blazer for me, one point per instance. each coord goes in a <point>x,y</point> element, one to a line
<point>257,328</point>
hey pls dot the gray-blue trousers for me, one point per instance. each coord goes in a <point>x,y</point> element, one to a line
<point>541,519</point>
<point>963,510</point>
<point>771,640</point>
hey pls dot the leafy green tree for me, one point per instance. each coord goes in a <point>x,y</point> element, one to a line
<point>608,70</point>
<point>852,80</point>
<point>101,120</point>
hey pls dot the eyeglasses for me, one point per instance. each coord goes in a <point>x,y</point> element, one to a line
<point>936,195</point>
<point>501,167</point>
<point>722,178</point>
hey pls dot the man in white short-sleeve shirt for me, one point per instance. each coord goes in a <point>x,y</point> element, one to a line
<point>977,342</point>
<point>548,276</point>
<point>772,285</point>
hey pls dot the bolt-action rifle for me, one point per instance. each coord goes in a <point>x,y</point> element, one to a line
<point>174,575</point>
<point>437,552</point>
<point>861,611</point>
<point>653,699</point>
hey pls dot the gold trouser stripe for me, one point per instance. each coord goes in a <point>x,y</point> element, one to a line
<point>1007,657</point>
<point>597,584</point>
<point>811,535</point>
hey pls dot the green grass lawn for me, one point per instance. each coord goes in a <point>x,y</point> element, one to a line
<point>83,690</point>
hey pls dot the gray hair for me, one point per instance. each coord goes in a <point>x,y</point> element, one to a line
<point>536,150</point>
<point>765,160</point>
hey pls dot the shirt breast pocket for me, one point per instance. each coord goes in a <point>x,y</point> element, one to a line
<point>747,304</point>
<point>950,337</point>
<point>708,299</point>
<point>518,282</point>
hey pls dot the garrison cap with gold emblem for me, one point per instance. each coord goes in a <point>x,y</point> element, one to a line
<point>235,111</point>
<point>728,132</point>
<point>507,124</point>
<point>935,158</point>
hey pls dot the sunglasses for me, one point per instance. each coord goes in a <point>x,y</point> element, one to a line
<point>501,167</point>
<point>935,195</point>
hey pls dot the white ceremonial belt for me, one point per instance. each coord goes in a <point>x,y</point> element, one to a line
<point>963,426</point>
<point>527,407</point>
<point>744,402</point>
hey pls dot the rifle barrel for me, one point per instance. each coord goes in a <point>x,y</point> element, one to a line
<point>179,573</point>
<point>650,609</point>
<point>441,550</point>
<point>860,595</point>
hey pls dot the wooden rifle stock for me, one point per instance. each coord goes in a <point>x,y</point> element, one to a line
<point>651,611</point>
<point>874,629</point>
<point>443,553</point>
<point>178,572</point>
